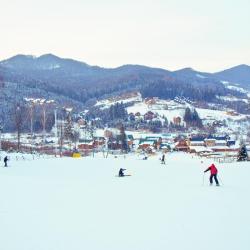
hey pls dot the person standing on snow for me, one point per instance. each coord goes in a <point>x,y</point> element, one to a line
<point>5,161</point>
<point>163,159</point>
<point>213,174</point>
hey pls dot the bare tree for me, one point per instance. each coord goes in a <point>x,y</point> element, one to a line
<point>75,137</point>
<point>19,118</point>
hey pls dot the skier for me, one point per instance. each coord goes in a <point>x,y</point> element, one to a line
<point>5,161</point>
<point>121,174</point>
<point>163,159</point>
<point>213,174</point>
<point>145,156</point>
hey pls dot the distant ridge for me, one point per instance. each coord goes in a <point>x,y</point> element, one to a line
<point>239,74</point>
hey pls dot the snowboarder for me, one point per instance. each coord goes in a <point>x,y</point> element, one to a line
<point>121,174</point>
<point>5,161</point>
<point>213,174</point>
<point>163,159</point>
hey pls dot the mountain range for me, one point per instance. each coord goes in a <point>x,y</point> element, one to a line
<point>78,84</point>
<point>52,69</point>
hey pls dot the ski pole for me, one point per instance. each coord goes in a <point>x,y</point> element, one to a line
<point>203,179</point>
<point>220,180</point>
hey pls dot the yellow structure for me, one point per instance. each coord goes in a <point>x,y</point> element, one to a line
<point>76,155</point>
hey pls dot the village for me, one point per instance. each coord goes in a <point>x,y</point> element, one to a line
<point>147,126</point>
<point>221,147</point>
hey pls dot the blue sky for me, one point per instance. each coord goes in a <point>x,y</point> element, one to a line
<point>172,34</point>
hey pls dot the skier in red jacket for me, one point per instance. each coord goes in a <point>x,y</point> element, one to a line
<point>213,174</point>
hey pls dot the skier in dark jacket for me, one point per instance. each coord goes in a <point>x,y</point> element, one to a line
<point>5,161</point>
<point>163,159</point>
<point>213,174</point>
<point>121,174</point>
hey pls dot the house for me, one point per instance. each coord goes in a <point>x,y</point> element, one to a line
<point>98,141</point>
<point>224,149</point>
<point>177,121</point>
<point>115,146</point>
<point>182,145</point>
<point>210,142</point>
<point>157,139</point>
<point>232,113</point>
<point>130,140</point>
<point>196,141</point>
<point>165,147</point>
<point>86,145</point>
<point>149,115</point>
<point>231,143</point>
<point>218,140</point>
<point>199,149</point>
<point>150,101</point>
<point>144,144</point>
<point>221,143</point>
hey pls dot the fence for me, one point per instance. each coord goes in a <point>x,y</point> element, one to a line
<point>220,158</point>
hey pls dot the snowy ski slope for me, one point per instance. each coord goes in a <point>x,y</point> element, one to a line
<point>76,204</point>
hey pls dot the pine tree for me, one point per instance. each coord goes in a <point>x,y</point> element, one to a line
<point>187,116</point>
<point>197,119</point>
<point>242,154</point>
<point>68,132</point>
<point>192,118</point>
<point>123,139</point>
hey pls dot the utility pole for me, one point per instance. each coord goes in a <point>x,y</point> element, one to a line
<point>44,120</point>
<point>1,129</point>
<point>56,133</point>
<point>18,125</point>
<point>32,104</point>
<point>61,137</point>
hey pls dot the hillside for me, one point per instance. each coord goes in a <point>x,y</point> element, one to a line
<point>239,75</point>
<point>77,84</point>
<point>82,82</point>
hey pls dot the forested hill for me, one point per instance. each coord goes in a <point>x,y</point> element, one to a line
<point>79,85</point>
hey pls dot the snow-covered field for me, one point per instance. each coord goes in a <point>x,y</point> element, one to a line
<point>76,204</point>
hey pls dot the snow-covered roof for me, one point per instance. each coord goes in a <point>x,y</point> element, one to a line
<point>99,132</point>
<point>209,139</point>
<point>196,142</point>
<point>147,142</point>
<point>221,147</point>
<point>221,141</point>
<point>200,149</point>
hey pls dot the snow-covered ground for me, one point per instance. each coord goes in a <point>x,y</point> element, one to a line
<point>231,98</point>
<point>235,86</point>
<point>106,103</point>
<point>170,114</point>
<point>76,204</point>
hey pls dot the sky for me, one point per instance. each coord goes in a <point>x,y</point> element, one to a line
<point>207,35</point>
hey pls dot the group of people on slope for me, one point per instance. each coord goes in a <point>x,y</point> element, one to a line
<point>213,172</point>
